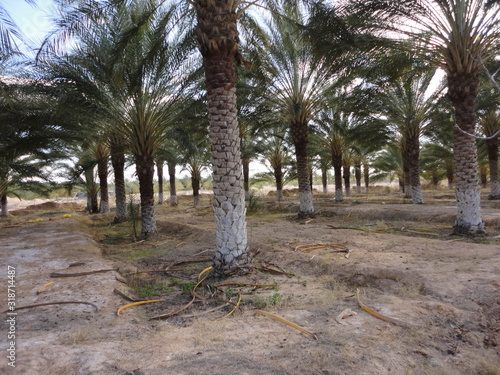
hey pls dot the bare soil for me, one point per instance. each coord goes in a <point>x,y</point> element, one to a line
<point>402,259</point>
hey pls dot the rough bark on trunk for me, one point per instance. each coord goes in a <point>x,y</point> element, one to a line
<point>278,177</point>
<point>462,91</point>
<point>434,178</point>
<point>4,209</point>
<point>337,171</point>
<point>483,175</point>
<point>145,172</point>
<point>324,179</point>
<point>102,172</point>
<point>411,155</point>
<point>300,140</point>
<point>173,188</point>
<point>450,175</point>
<point>218,39</point>
<point>347,178</point>
<point>92,191</point>
<point>406,177</point>
<point>366,175</point>
<point>357,175</point>
<point>246,177</point>
<point>195,184</point>
<point>492,145</point>
<point>159,173</point>
<point>118,163</point>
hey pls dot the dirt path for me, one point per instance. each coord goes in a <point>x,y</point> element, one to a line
<point>450,290</point>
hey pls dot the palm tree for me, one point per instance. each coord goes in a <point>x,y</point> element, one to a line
<point>490,123</point>
<point>458,36</point>
<point>408,106</point>
<point>298,86</point>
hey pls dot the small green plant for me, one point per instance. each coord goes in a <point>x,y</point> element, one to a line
<point>148,290</point>
<point>275,299</point>
<point>187,287</point>
<point>230,291</point>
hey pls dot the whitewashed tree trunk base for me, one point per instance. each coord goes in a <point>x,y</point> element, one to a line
<point>279,195</point>
<point>495,191</point>
<point>339,197</point>
<point>148,221</point>
<point>306,204</point>
<point>104,207</point>
<point>469,213</point>
<point>173,200</point>
<point>160,198</point>
<point>196,201</point>
<point>416,194</point>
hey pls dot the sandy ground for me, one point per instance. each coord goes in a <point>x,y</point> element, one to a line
<point>402,259</point>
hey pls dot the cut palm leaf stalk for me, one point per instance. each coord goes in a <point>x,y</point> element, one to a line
<point>234,309</point>
<point>272,268</point>
<point>56,274</point>
<point>58,303</point>
<point>208,269</point>
<point>383,317</point>
<point>207,311</point>
<point>180,244</point>
<point>175,264</point>
<point>121,294</point>
<point>137,303</point>
<point>193,292</point>
<point>43,287</point>
<point>245,284</point>
<point>287,322</point>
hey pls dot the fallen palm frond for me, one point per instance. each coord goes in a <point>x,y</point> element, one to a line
<point>287,322</point>
<point>193,292</point>
<point>58,303</point>
<point>76,264</point>
<point>201,252</point>
<point>137,303</point>
<point>55,274</point>
<point>206,311</point>
<point>175,264</point>
<point>273,268</point>
<point>245,284</point>
<point>234,309</point>
<point>341,246</point>
<point>180,244</point>
<point>383,317</point>
<point>121,294</point>
<point>43,287</point>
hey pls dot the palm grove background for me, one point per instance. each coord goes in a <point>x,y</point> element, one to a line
<point>301,86</point>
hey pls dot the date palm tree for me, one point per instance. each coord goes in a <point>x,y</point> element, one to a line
<point>459,36</point>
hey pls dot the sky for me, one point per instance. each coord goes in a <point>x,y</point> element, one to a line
<point>33,21</point>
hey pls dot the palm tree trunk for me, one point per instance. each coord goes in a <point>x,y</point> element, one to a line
<point>324,178</point>
<point>246,177</point>
<point>483,175</point>
<point>92,191</point>
<point>300,140</point>
<point>366,175</point>
<point>434,178</point>
<point>218,39</point>
<point>145,172</point>
<point>492,145</point>
<point>195,184</point>
<point>357,175</point>
<point>462,90</point>
<point>337,170</point>
<point>406,175</point>
<point>347,178</point>
<point>412,153</point>
<point>118,163</point>
<point>4,209</point>
<point>450,175</point>
<point>159,172</point>
<point>102,172</point>
<point>173,188</point>
<point>278,177</point>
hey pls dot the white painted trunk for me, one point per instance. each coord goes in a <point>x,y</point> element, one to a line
<point>495,189</point>
<point>279,195</point>
<point>196,201</point>
<point>148,221</point>
<point>469,211</point>
<point>306,202</point>
<point>4,209</point>
<point>104,207</point>
<point>173,200</point>
<point>160,197</point>
<point>416,194</point>
<point>339,197</point>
